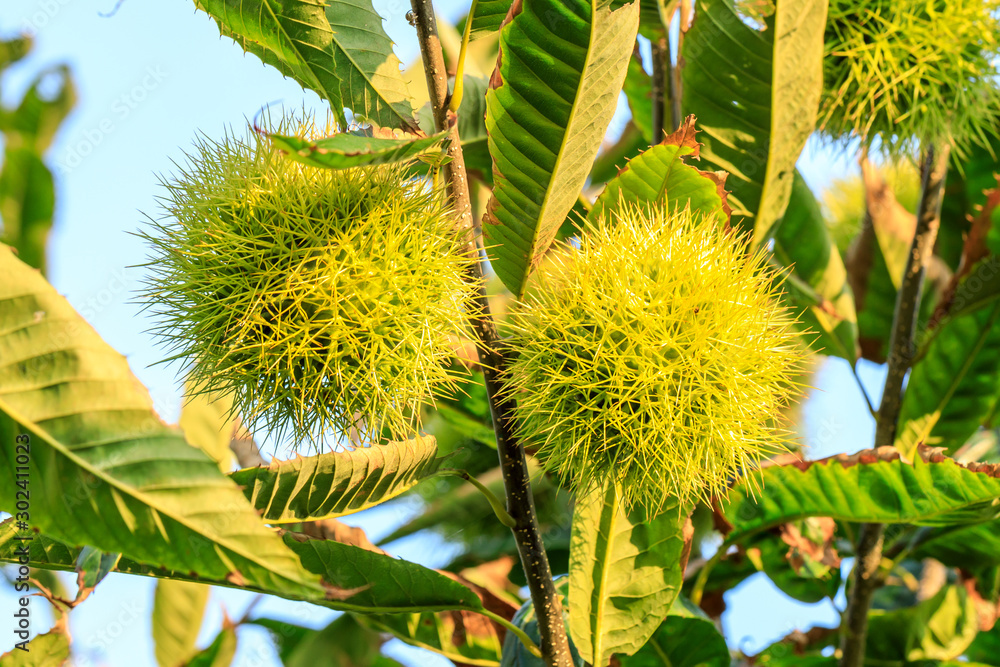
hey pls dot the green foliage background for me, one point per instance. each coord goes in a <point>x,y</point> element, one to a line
<point>115,489</point>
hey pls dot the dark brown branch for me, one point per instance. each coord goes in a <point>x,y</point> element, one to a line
<point>661,88</point>
<point>520,502</point>
<point>866,578</point>
<point>676,84</point>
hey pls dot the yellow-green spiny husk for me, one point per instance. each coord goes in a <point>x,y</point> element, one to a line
<point>911,71</point>
<point>654,355</point>
<point>324,301</point>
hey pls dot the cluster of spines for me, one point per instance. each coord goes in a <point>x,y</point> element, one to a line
<point>324,301</point>
<point>909,71</point>
<point>654,356</point>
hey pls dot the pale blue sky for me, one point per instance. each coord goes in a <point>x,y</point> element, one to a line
<point>151,77</point>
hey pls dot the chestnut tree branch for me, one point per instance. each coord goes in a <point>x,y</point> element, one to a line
<point>520,502</point>
<point>865,578</point>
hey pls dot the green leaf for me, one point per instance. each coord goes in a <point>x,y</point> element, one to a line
<point>756,94</point>
<point>789,658</point>
<point>462,513</point>
<point>980,289</point>
<point>863,487</point>
<point>380,583</point>
<point>962,662</point>
<point>986,647</point>
<point>969,177</point>
<point>13,50</point>
<point>344,643</point>
<point>461,637</point>
<point>515,654</point>
<point>287,637</point>
<point>220,652</point>
<point>661,176</point>
<point>956,378</point>
<point>50,649</point>
<point>208,423</point>
<point>464,505</point>
<point>616,157</point>
<point>469,427</point>
<point>487,15</point>
<point>973,548</point>
<point>52,582</point>
<point>350,149</point>
<point>336,48</point>
<point>638,89</point>
<point>92,565</point>
<point>293,36</point>
<point>104,470</point>
<point>37,118</point>
<point>915,433</point>
<point>654,19</point>
<point>940,628</point>
<point>817,289</point>
<point>551,98</point>
<point>27,203</point>
<point>810,584</point>
<point>471,126</point>
<point>178,608</point>
<point>338,483</point>
<point>687,638</point>
<point>877,257</point>
<point>354,579</point>
<point>625,573</point>
<point>372,84</point>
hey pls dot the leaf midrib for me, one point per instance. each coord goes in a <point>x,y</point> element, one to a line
<point>574,109</point>
<point>294,45</point>
<point>400,479</point>
<point>354,63</point>
<point>598,597</point>
<point>785,518</point>
<point>770,178</point>
<point>967,364</point>
<point>137,494</point>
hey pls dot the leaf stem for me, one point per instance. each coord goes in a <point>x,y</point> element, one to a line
<point>698,590</point>
<point>866,578</point>
<point>497,505</point>
<point>459,88</point>
<point>513,465</point>
<point>518,632</point>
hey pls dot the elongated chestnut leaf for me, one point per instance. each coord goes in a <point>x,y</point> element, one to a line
<point>337,483</point>
<point>552,95</point>
<point>348,149</point>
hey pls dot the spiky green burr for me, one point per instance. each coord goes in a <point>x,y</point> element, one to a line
<point>656,356</point>
<point>899,72</point>
<point>325,302</point>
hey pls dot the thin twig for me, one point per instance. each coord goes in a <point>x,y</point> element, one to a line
<point>661,85</point>
<point>865,578</point>
<point>676,84</point>
<point>513,465</point>
<point>864,392</point>
<point>245,618</point>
